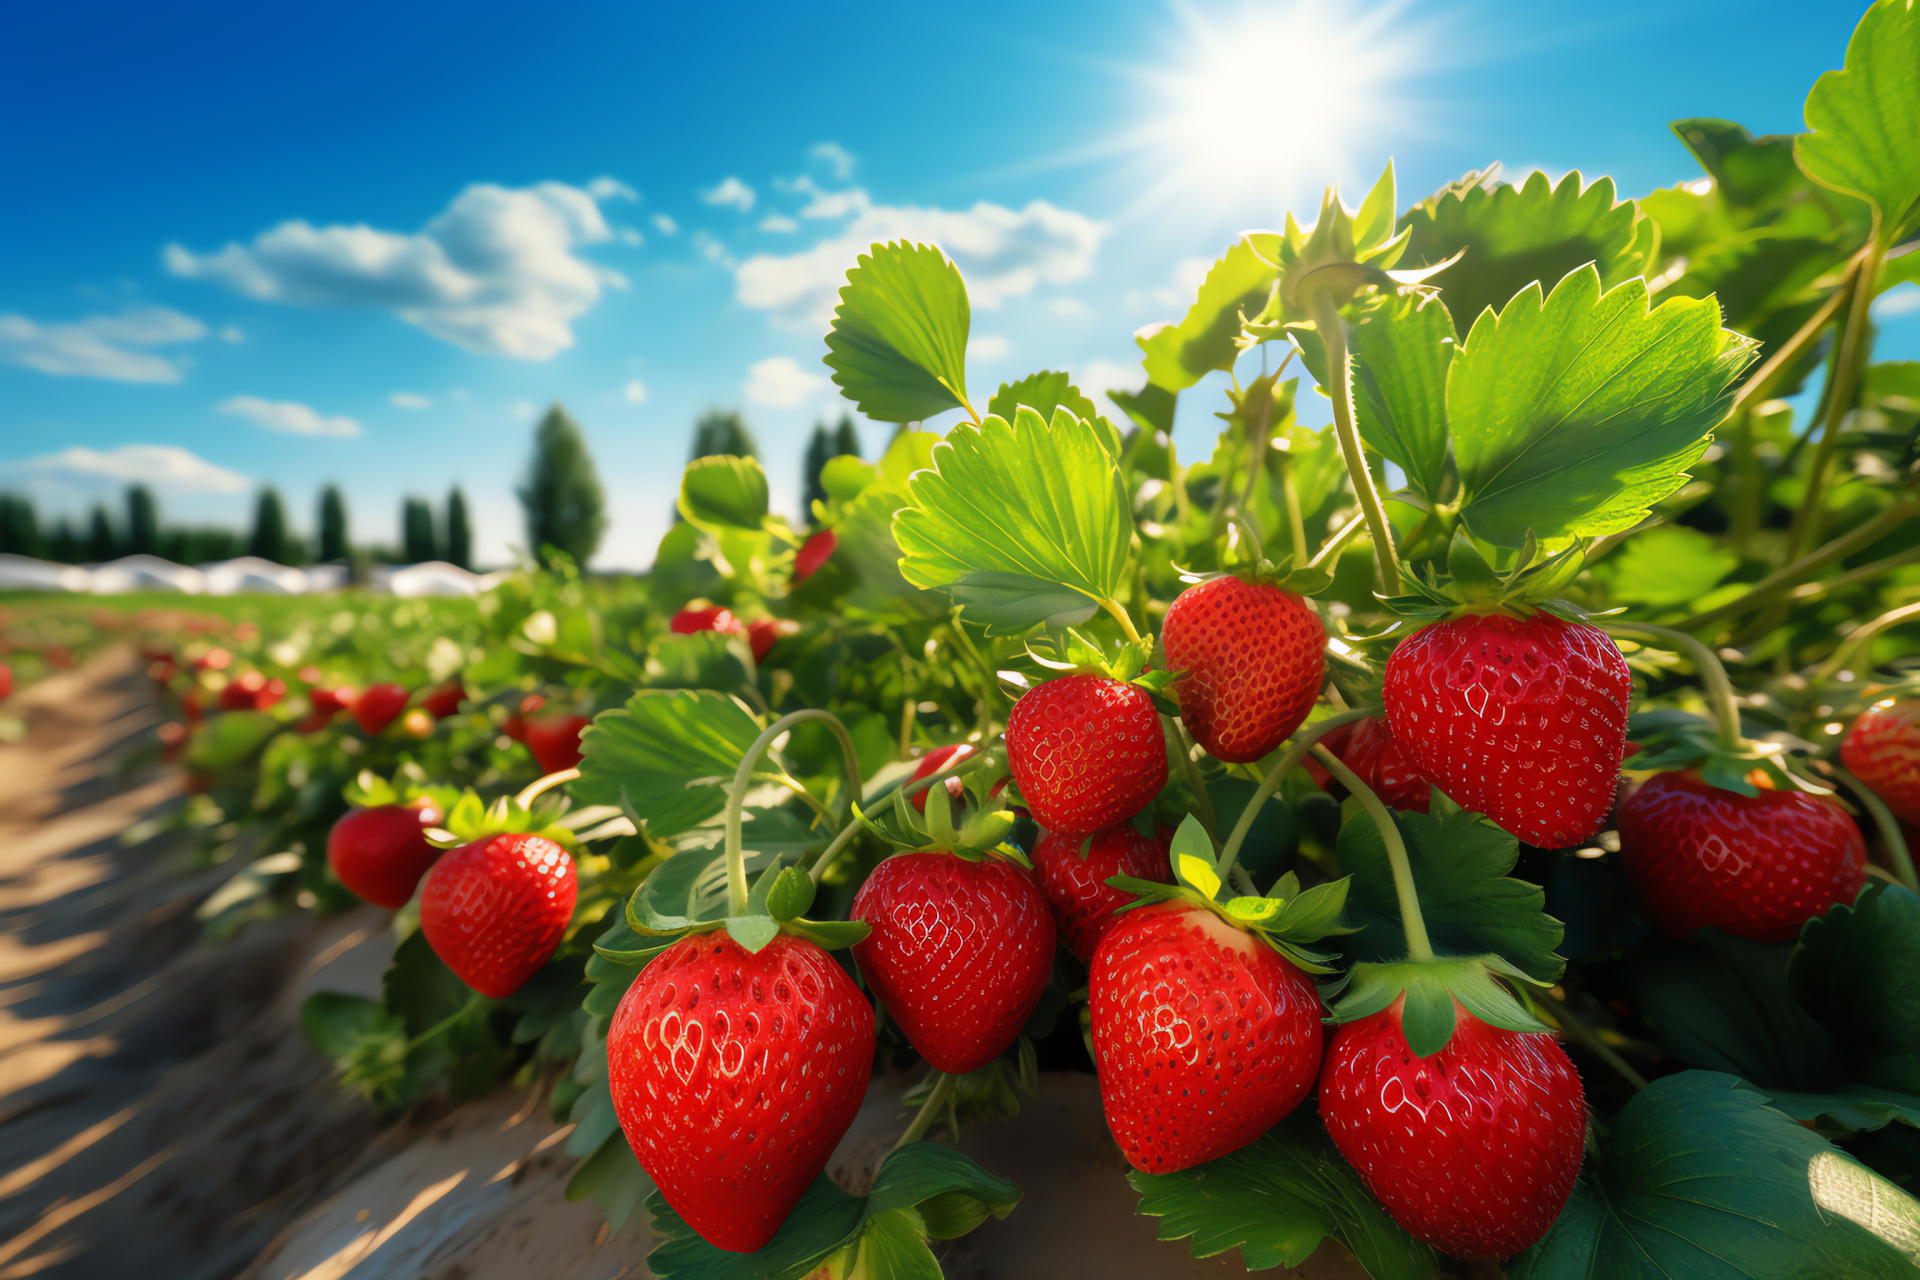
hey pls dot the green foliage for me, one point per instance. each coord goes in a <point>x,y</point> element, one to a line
<point>459,545</point>
<point>1666,566</point>
<point>271,540</point>
<point>564,503</point>
<point>666,757</point>
<point>333,542</point>
<point>898,345</point>
<point>143,522</point>
<point>1857,970</point>
<point>722,431</point>
<point>417,542</point>
<point>727,492</point>
<point>1207,338</point>
<point>19,527</point>
<point>1043,393</point>
<point>823,447</point>
<point>1863,121</point>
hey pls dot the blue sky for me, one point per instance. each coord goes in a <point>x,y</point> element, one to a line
<point>368,242</point>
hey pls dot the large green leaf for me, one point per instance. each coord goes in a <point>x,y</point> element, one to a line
<point>1857,970</point>
<point>1699,1178</point>
<point>1666,565</point>
<point>1042,392</point>
<point>724,492</point>
<point>1179,355</point>
<point>1574,414</point>
<point>1460,862</point>
<point>1022,521</point>
<point>1276,1199</point>
<point>1721,1003</point>
<point>898,345</point>
<point>668,756</point>
<point>1864,120</point>
<point>1517,236</point>
<point>1401,351</point>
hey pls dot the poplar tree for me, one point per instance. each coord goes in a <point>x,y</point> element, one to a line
<point>565,505</point>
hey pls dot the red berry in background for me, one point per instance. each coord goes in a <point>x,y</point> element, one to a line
<point>378,706</point>
<point>1754,866</point>
<point>173,741</point>
<point>555,741</point>
<point>959,954</point>
<point>1083,902</point>
<point>212,660</point>
<point>689,622</point>
<point>1252,658</point>
<point>1882,749</point>
<point>6,681</point>
<point>381,852</point>
<point>515,725</point>
<point>1474,1149</point>
<point>735,1074</point>
<point>495,909</point>
<point>761,633</point>
<point>933,762</point>
<point>326,704</point>
<point>191,706</point>
<point>251,691</point>
<point>1204,1037</point>
<point>444,700</point>
<point>1522,720</point>
<point>1086,751</point>
<point>812,554</point>
<point>1369,748</point>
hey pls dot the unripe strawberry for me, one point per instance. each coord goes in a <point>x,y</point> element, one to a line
<point>1251,658</point>
<point>1086,751</point>
<point>495,909</point>
<point>1083,902</point>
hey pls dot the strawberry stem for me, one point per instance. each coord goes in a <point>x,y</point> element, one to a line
<point>1419,946</point>
<point>1190,770</point>
<point>1120,615</point>
<point>929,1111</point>
<point>1890,834</point>
<point>1303,741</point>
<point>1586,1035</point>
<point>743,779</point>
<point>1858,637</point>
<point>524,801</point>
<point>1333,333</point>
<point>1855,343</point>
<point>1713,676</point>
<point>953,768</point>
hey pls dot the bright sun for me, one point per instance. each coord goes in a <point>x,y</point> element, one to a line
<point>1266,104</point>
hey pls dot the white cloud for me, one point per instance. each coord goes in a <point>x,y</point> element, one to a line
<point>605,188</point>
<point>732,192</point>
<point>1901,300</point>
<point>81,472</point>
<point>778,222</point>
<point>289,417</point>
<point>1002,252</point>
<point>636,391</point>
<point>495,273</point>
<point>712,250</point>
<point>1097,377</point>
<point>630,235</point>
<point>780,382</point>
<point>98,346</point>
<point>1068,307</point>
<point>835,157</point>
<point>408,400</point>
<point>664,225</point>
<point>232,333</point>
<point>988,346</point>
<point>526,409</point>
<point>828,204</point>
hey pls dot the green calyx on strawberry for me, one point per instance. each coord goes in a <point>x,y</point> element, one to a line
<point>925,823</point>
<point>469,818</point>
<point>1068,652</point>
<point>1671,739</point>
<point>686,896</point>
<point>1514,583</point>
<point>1289,920</point>
<point>1431,987</point>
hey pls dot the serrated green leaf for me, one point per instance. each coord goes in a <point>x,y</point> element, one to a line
<point>1573,415</point>
<point>1275,1200</point>
<point>898,345</point>
<point>723,493</point>
<point>1701,1178</point>
<point>1042,392</point>
<point>1517,236</point>
<point>1179,355</point>
<point>669,756</point>
<point>1151,407</point>
<point>1027,498</point>
<point>1009,604</point>
<point>1863,121</point>
<point>1857,970</point>
<point>1460,863</point>
<point>1402,351</point>
<point>1847,1111</point>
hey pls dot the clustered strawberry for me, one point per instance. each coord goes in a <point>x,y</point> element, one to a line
<point>381,852</point>
<point>496,909</point>
<point>1250,657</point>
<point>1086,751</point>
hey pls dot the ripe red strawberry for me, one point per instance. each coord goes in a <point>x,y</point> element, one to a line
<point>380,853</point>
<point>1252,658</point>
<point>1086,751</point>
<point>1369,748</point>
<point>1522,720</point>
<point>444,700</point>
<point>735,1074</point>
<point>933,762</point>
<point>555,741</point>
<point>1083,901</point>
<point>812,554</point>
<point>251,691</point>
<point>1755,866</point>
<point>1883,751</point>
<point>6,681</point>
<point>1474,1149</point>
<point>1204,1037</point>
<point>959,954</point>
<point>761,633</point>
<point>515,725</point>
<point>378,706</point>
<point>689,622</point>
<point>495,909</point>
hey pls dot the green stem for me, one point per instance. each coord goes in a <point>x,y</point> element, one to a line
<point>1854,341</point>
<point>1296,523</point>
<point>474,1000</point>
<point>1190,770</point>
<point>1337,541</point>
<point>1859,636</point>
<point>1768,374</point>
<point>1120,616</point>
<point>1890,833</point>
<point>928,1113</point>
<point>743,779</point>
<point>1784,579</point>
<point>953,768</point>
<point>1866,572</point>
<point>1713,676</point>
<point>1333,333</point>
<point>1586,1035</point>
<point>1303,741</point>
<point>1419,946</point>
<point>540,786</point>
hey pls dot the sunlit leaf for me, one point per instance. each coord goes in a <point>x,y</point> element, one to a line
<point>1179,355</point>
<point>898,346</point>
<point>669,755</point>
<point>1864,120</point>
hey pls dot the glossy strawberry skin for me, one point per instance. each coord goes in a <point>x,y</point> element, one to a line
<point>381,852</point>
<point>1252,658</point>
<point>1369,748</point>
<point>555,741</point>
<point>1754,866</point>
<point>378,706</point>
<point>495,909</point>
<point>812,554</point>
<point>1882,749</point>
<point>959,954</point>
<point>1204,1037</point>
<point>1086,751</point>
<point>1473,1150</point>
<point>735,1075</point>
<point>1083,902</point>
<point>933,762</point>
<point>1522,720</point>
